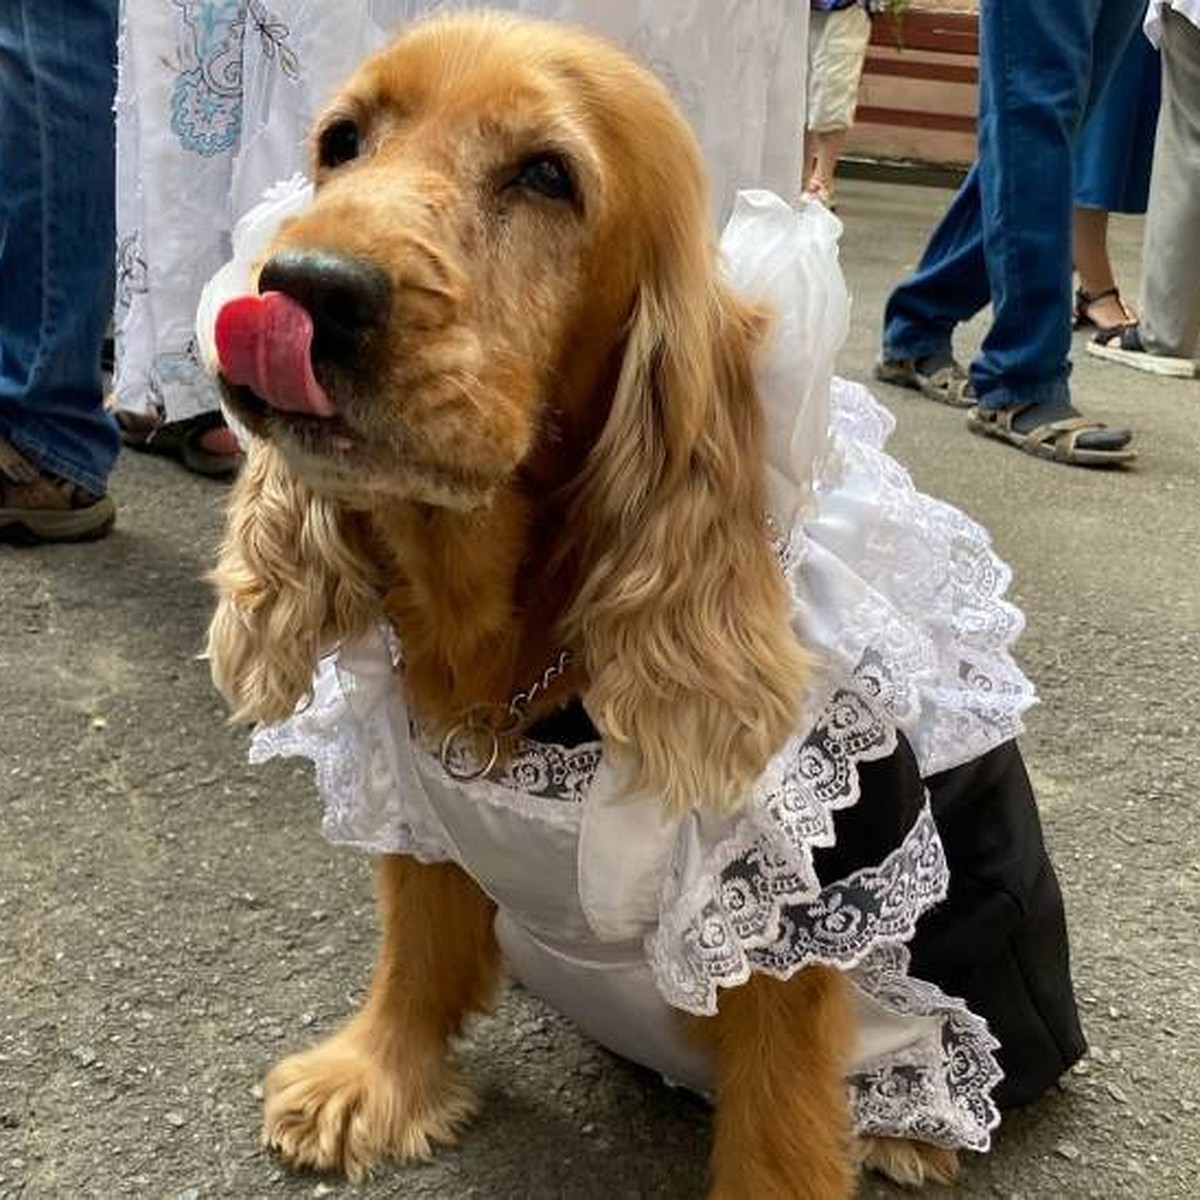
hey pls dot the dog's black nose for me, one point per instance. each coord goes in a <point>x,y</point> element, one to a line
<point>346,297</point>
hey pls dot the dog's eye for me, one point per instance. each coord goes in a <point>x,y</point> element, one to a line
<point>547,175</point>
<point>338,144</point>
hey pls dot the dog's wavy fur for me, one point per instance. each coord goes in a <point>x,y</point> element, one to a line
<point>292,576</point>
<point>560,446</point>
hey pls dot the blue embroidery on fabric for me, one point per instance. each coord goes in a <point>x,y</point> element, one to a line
<point>206,101</point>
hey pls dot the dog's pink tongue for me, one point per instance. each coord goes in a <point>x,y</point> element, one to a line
<point>265,343</point>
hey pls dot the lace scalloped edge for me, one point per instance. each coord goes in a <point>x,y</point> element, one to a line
<point>716,929</point>
<point>697,992</point>
<point>983,626</point>
<point>882,1097</point>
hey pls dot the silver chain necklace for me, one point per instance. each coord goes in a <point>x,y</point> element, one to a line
<point>471,747</point>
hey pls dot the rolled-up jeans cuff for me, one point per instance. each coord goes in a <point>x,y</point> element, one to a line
<point>915,348</point>
<point>47,458</point>
<point>1002,395</point>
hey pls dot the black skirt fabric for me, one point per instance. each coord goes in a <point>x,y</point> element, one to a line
<point>999,939</point>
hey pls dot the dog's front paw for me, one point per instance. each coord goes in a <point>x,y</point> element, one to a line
<point>909,1163</point>
<point>340,1107</point>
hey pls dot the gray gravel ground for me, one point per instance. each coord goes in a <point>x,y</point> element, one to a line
<point>171,921</point>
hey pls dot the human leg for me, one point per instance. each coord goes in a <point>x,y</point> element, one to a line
<point>1113,156</point>
<point>1038,66</point>
<point>1098,299</point>
<point>1171,255</point>
<point>837,51</point>
<point>1042,67</point>
<point>822,159</point>
<point>814,90</point>
<point>949,285</point>
<point>57,74</point>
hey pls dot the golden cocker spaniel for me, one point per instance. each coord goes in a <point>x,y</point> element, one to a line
<point>503,399</point>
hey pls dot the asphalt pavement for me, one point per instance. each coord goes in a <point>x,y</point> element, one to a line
<point>171,921</point>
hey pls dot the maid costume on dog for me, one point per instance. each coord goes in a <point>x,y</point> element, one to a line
<point>893,837</point>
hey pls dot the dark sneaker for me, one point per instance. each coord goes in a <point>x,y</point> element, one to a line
<point>36,507</point>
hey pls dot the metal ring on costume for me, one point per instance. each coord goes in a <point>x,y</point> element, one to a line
<point>456,752</point>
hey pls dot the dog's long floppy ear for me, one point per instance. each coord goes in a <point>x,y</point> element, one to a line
<point>684,613</point>
<point>291,578</point>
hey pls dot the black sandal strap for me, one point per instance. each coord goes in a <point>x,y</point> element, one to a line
<point>1128,338</point>
<point>1084,299</point>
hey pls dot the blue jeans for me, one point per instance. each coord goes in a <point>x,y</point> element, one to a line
<point>1006,237</point>
<point>57,232</point>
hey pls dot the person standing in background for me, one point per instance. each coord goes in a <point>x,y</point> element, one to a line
<point>1112,175</point>
<point>1167,338</point>
<point>839,32</point>
<point>57,444</point>
<point>1006,238</point>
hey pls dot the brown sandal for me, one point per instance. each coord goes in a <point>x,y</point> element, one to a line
<point>947,385</point>
<point>1053,440</point>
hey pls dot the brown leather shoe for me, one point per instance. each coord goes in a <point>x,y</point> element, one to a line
<point>37,507</point>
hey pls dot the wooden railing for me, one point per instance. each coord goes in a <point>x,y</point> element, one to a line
<point>920,90</point>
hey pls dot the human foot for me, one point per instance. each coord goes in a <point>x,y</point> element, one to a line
<point>204,443</point>
<point>38,507</point>
<point>1125,346</point>
<point>936,376</point>
<point>1054,431</point>
<point>822,190</point>
<point>1104,310</point>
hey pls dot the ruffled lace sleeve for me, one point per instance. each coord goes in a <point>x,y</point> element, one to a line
<point>918,582</point>
<point>751,900</point>
<point>356,733</point>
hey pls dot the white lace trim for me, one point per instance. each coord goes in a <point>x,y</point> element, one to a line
<point>756,904</point>
<point>553,772</point>
<point>930,600</point>
<point>561,777</point>
<point>934,1092</point>
<point>810,780</point>
<point>349,732</point>
<point>871,906</point>
<point>858,416</point>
